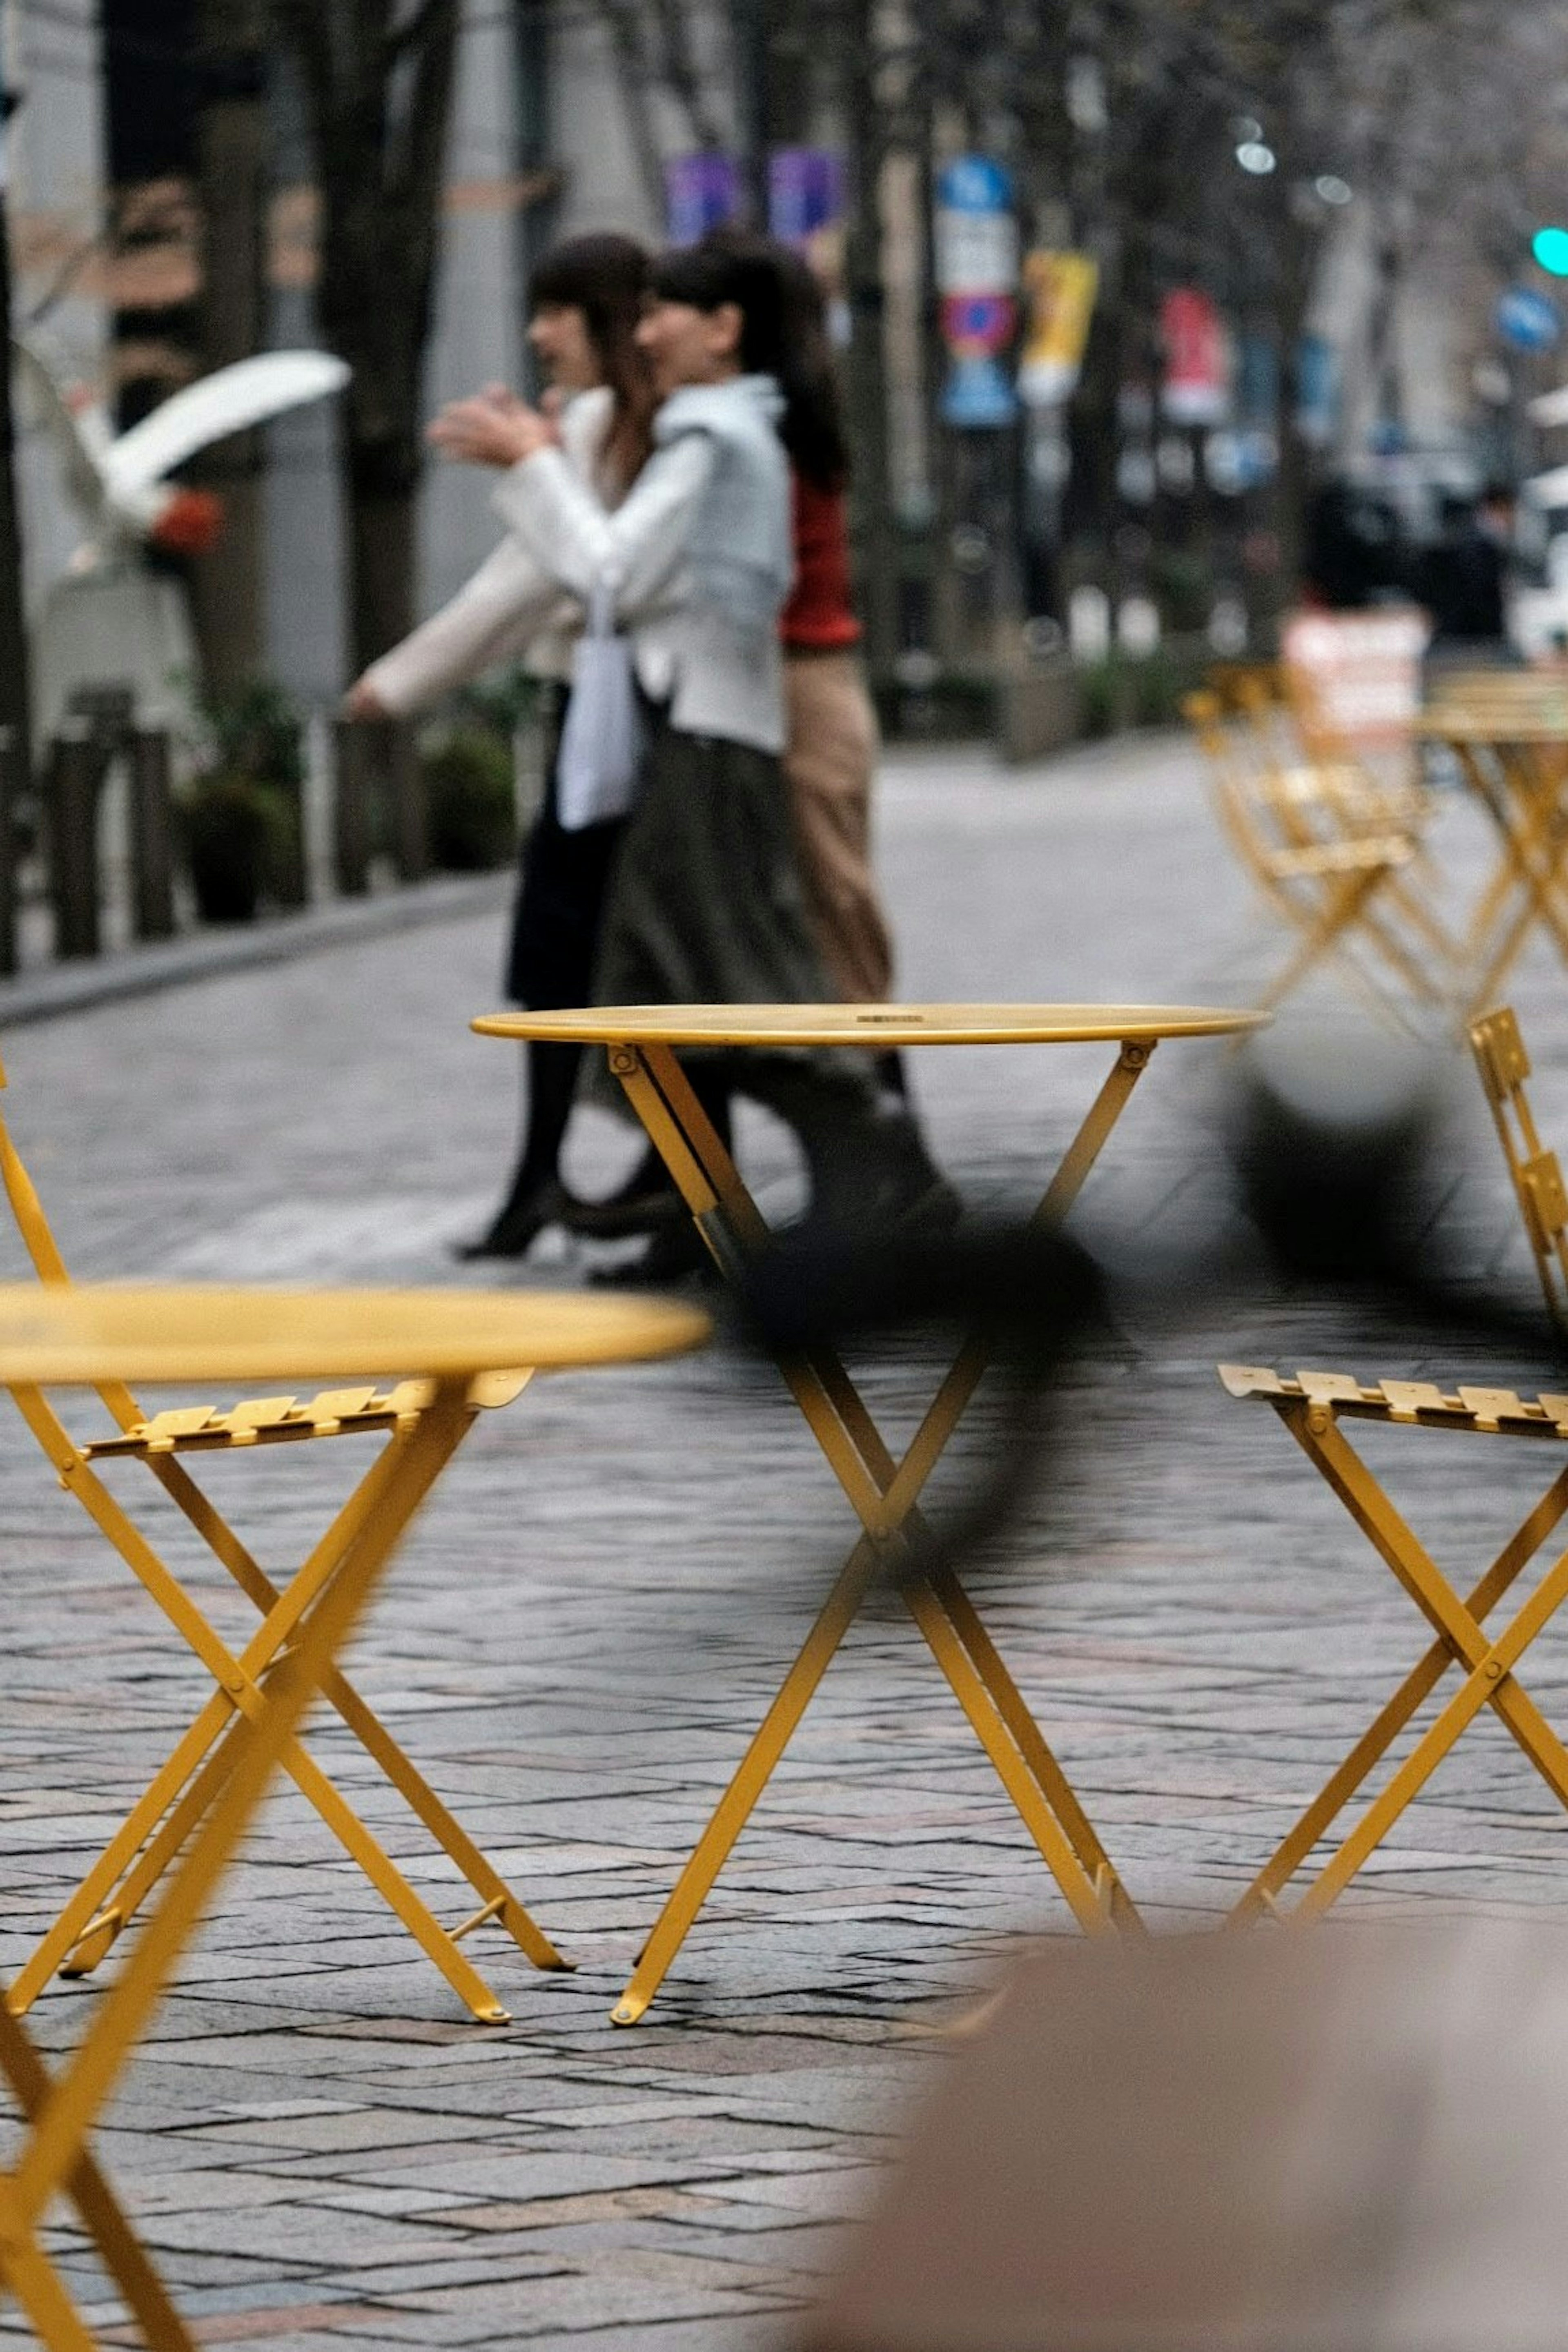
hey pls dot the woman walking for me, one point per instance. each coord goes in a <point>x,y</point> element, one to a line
<point>707,903</point>
<point>586,304</point>
<point>830,750</point>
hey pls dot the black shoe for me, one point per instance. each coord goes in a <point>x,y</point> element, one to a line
<point>519,1222</point>
<point>884,1186</point>
<point>641,1206</point>
<point>677,1255</point>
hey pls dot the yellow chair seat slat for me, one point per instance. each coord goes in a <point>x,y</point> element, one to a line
<point>1487,1410</point>
<point>273,1421</point>
<point>1343,857</point>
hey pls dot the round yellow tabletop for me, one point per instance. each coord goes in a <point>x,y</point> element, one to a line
<point>869,1024</point>
<point>76,1335</point>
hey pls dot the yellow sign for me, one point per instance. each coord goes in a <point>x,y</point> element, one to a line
<point>1060,291</point>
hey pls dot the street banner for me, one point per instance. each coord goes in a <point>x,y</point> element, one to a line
<point>1060,291</point>
<point>1357,677</point>
<point>806,192</point>
<point>977,278</point>
<point>701,192</point>
<point>1197,389</point>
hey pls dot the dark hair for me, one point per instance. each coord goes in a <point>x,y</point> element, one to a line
<point>606,278</point>
<point>784,333</point>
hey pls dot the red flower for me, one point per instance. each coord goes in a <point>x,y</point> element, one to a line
<point>190,524</point>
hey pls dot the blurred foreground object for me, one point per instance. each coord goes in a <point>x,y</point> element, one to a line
<point>1266,2143</point>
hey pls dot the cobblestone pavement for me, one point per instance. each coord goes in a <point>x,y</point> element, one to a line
<point>591,1617</point>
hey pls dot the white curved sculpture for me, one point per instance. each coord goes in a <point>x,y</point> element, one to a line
<point>111,620</point>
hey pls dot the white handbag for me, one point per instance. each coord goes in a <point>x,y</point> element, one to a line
<point>600,759</point>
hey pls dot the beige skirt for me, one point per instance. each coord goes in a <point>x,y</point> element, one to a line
<point>829,763</point>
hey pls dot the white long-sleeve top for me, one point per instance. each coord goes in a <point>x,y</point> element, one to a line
<point>511,609</point>
<point>717,681</point>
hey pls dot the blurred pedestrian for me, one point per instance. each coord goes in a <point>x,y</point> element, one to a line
<point>707,903</point>
<point>831,736</point>
<point>585,301</point>
<point>1463,580</point>
<point>830,753</point>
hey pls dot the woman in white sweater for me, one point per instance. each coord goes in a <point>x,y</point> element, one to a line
<point>707,903</point>
<point>585,304</point>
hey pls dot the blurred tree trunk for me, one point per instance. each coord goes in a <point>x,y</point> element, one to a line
<point>378,80</point>
<point>228,585</point>
<point>15,711</point>
<point>866,385</point>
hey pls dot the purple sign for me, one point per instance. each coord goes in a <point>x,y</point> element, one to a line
<point>701,192</point>
<point>805,192</point>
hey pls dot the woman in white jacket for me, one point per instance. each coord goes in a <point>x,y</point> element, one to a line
<point>585,302</point>
<point>707,903</point>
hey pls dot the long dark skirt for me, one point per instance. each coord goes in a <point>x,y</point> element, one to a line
<point>563,885</point>
<point>707,903</point>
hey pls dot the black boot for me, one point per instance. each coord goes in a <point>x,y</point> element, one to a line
<point>537,1197</point>
<point>648,1202</point>
<point>519,1222</point>
<point>872,1174</point>
<point>675,1255</point>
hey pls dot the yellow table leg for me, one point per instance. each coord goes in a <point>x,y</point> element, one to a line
<point>885,1495</point>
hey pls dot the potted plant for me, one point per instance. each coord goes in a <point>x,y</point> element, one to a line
<point>471,802</point>
<point>233,829</point>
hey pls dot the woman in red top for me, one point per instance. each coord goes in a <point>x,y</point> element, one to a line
<point>831,756</point>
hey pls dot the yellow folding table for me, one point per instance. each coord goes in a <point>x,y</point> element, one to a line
<point>85,1336</point>
<point>883,1491</point>
<point>1514,759</point>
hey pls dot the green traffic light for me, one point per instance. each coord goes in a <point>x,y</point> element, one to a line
<point>1550,246</point>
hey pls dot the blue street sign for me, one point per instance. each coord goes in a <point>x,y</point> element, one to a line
<point>977,277</point>
<point>1527,321</point>
<point>977,394</point>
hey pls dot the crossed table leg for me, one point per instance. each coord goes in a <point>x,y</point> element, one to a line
<point>1487,1663</point>
<point>60,2113</point>
<point>885,1494</point>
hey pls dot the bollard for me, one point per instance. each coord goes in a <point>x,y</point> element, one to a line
<point>74,774</point>
<point>292,877</point>
<point>13,780</point>
<point>151,836</point>
<point>350,809</point>
<point>406,779</point>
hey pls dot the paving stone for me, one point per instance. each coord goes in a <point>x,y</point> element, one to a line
<point>590,1619</point>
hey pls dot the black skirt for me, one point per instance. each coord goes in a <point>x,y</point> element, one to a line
<point>564,882</point>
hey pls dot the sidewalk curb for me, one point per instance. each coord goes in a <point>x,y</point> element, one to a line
<point>57,990</point>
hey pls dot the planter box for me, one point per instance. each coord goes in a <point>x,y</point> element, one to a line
<point>1037,710</point>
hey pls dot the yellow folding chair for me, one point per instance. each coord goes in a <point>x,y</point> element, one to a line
<point>1329,853</point>
<point>181,1794</point>
<point>1536,1174</point>
<point>1312,1407</point>
<point>86,1337</point>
